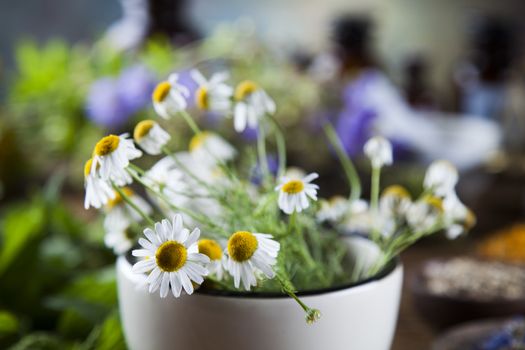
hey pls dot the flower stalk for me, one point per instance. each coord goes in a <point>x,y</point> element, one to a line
<point>128,200</point>
<point>348,166</point>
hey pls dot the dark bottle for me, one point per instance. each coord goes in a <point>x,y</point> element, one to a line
<point>351,39</point>
<point>143,19</point>
<point>481,78</point>
<point>418,92</point>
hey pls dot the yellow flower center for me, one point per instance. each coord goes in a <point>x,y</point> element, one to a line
<point>470,219</point>
<point>87,167</point>
<point>171,256</point>
<point>336,200</point>
<point>396,191</point>
<point>106,145</point>
<point>161,91</point>
<point>293,186</point>
<point>242,245</point>
<point>201,98</point>
<point>198,140</point>
<point>244,89</point>
<point>434,202</point>
<point>112,203</point>
<point>142,129</point>
<point>210,248</point>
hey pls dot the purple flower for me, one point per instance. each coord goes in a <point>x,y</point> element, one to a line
<point>111,102</point>
<point>104,104</point>
<point>249,134</point>
<point>186,80</point>
<point>135,86</point>
<point>354,128</point>
<point>357,93</point>
<point>256,172</point>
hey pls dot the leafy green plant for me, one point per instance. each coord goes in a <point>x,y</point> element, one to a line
<point>58,284</point>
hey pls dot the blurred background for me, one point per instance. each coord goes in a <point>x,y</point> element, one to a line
<point>439,78</point>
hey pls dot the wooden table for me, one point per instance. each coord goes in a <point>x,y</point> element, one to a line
<point>412,333</point>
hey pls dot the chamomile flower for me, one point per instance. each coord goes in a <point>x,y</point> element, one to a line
<point>169,97</point>
<point>251,104</point>
<point>425,213</point>
<point>150,136</point>
<point>210,148</point>
<point>394,202</point>
<point>294,193</point>
<point>166,177</point>
<point>98,191</point>
<point>212,95</point>
<point>118,237</point>
<point>379,151</point>
<point>460,217</point>
<point>441,178</point>
<point>113,154</point>
<point>358,217</point>
<point>333,210</point>
<point>118,210</point>
<point>171,258</point>
<point>213,250</point>
<point>249,254</point>
<point>294,172</point>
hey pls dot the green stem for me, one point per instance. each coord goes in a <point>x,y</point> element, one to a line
<point>281,146</point>
<point>292,222</point>
<point>261,150</point>
<point>302,247</point>
<point>191,123</point>
<point>374,190</point>
<point>346,162</point>
<point>136,168</point>
<point>374,200</point>
<point>288,290</point>
<point>184,168</point>
<point>311,314</point>
<point>200,218</point>
<point>133,205</point>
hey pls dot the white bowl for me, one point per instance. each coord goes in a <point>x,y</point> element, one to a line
<point>359,317</point>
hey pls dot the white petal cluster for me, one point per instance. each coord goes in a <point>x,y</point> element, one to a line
<point>441,178</point>
<point>249,254</point>
<point>214,94</point>
<point>98,191</point>
<point>424,214</point>
<point>117,237</point>
<point>151,137</point>
<point>166,177</point>
<point>379,151</point>
<point>118,211</point>
<point>169,97</point>
<point>333,210</point>
<point>252,104</point>
<point>109,164</point>
<point>211,149</point>
<point>170,257</point>
<point>111,158</point>
<point>295,194</point>
<point>459,218</point>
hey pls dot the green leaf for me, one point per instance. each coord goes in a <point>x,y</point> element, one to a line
<point>86,301</point>
<point>8,323</point>
<point>98,287</point>
<point>111,335</point>
<point>159,56</point>
<point>20,225</point>
<point>39,341</point>
<point>106,336</point>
